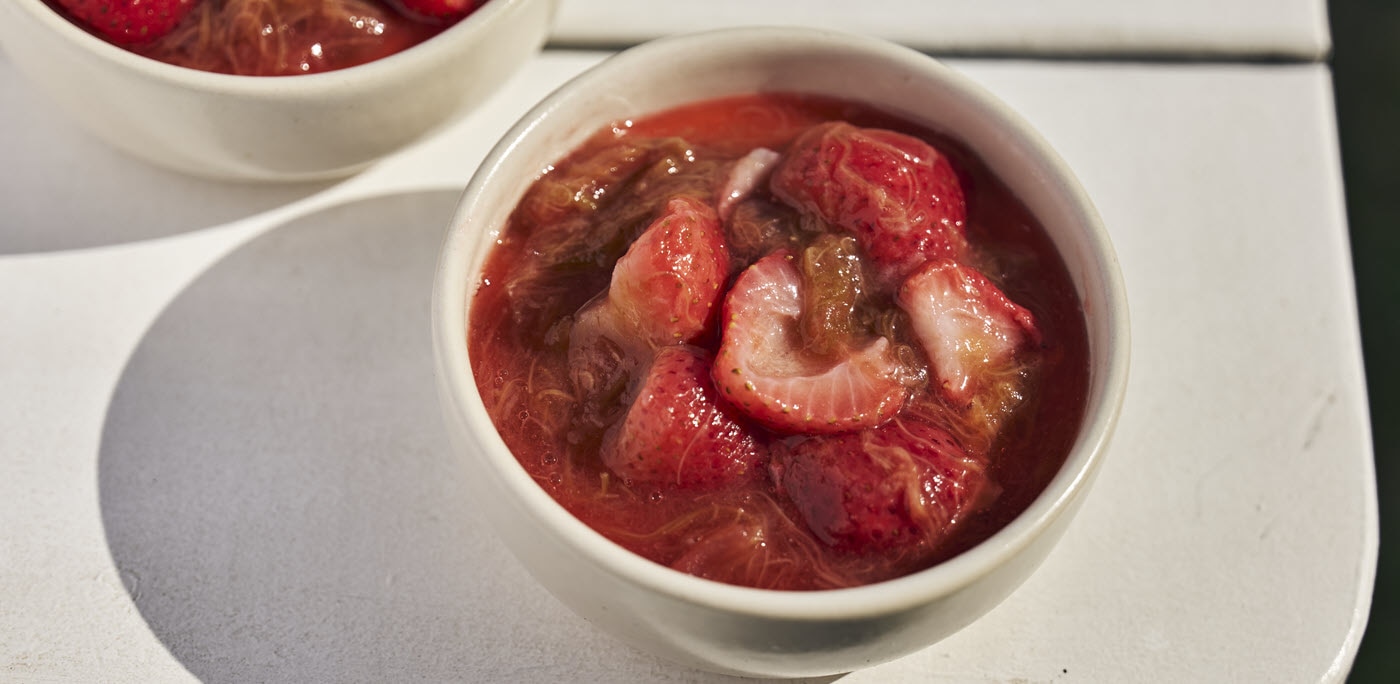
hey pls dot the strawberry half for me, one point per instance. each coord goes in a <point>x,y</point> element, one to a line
<point>903,483</point>
<point>965,323</point>
<point>128,22</point>
<point>763,368</point>
<point>436,11</point>
<point>898,195</point>
<point>665,290</point>
<point>676,431</point>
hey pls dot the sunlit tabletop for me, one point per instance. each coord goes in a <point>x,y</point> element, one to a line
<point>221,457</point>
<point>1219,29</point>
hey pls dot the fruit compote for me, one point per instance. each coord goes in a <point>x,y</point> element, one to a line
<point>265,37</point>
<point>781,341</point>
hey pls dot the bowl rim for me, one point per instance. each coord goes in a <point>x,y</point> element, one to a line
<point>451,303</point>
<point>419,57</point>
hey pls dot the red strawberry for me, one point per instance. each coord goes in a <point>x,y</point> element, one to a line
<point>903,483</point>
<point>763,369</point>
<point>676,431</point>
<point>967,326</point>
<point>665,290</point>
<point>435,11</point>
<point>897,194</point>
<point>129,22</point>
<point>667,287</point>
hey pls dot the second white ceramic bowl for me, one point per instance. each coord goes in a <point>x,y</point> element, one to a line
<point>734,629</point>
<point>322,125</point>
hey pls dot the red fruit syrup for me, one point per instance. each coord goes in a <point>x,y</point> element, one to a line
<point>265,37</point>
<point>754,344</point>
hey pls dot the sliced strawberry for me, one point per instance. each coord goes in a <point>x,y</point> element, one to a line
<point>902,483</point>
<point>436,10</point>
<point>967,326</point>
<point>665,290</point>
<point>763,368</point>
<point>667,287</point>
<point>898,195</point>
<point>129,22</point>
<point>676,431</point>
<point>749,172</point>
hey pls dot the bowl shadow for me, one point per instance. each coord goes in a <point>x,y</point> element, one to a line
<point>278,491</point>
<point>65,189</point>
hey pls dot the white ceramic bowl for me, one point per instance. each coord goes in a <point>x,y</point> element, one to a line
<point>322,125</point>
<point>717,626</point>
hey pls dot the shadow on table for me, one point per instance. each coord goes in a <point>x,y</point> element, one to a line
<point>278,492</point>
<point>104,197</point>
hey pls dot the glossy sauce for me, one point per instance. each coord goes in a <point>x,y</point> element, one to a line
<point>285,37</point>
<point>557,252</point>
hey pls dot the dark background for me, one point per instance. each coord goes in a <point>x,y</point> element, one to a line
<point>1366,72</point>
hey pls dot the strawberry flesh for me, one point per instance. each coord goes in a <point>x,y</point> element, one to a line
<point>128,22</point>
<point>967,326</point>
<point>898,485</point>
<point>747,174</point>
<point>676,431</point>
<point>763,368</point>
<point>898,195</point>
<point>665,290</point>
<point>667,287</point>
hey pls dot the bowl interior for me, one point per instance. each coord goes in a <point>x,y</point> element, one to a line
<point>674,71</point>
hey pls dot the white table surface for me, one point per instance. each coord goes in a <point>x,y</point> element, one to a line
<point>221,457</point>
<point>1248,28</point>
